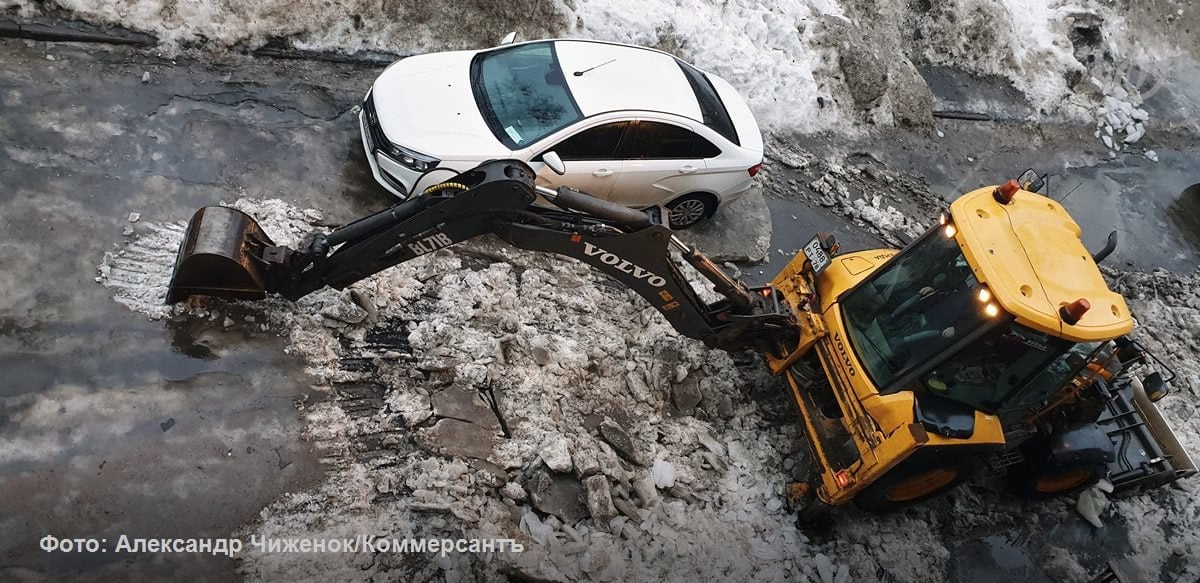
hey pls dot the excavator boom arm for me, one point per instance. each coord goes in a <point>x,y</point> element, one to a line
<point>224,245</point>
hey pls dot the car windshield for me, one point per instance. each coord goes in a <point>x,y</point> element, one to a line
<point>522,93</point>
<point>913,310</point>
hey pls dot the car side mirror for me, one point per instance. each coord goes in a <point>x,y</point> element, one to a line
<point>554,162</point>
<point>509,38</point>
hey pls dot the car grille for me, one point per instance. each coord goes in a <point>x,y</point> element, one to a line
<point>374,131</point>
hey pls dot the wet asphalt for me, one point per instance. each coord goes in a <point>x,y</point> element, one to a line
<point>112,424</point>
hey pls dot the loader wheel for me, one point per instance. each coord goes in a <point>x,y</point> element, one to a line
<point>916,481</point>
<point>1041,481</point>
<point>688,210</point>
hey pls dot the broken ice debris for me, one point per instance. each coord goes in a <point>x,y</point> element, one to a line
<point>513,491</point>
<point>458,438</point>
<point>466,405</point>
<point>1151,155</point>
<point>664,474</point>
<point>558,495</point>
<point>133,217</point>
<point>556,455</point>
<point>619,439</point>
<point>644,487</point>
<point>1090,504</point>
<point>146,77</point>
<point>599,499</point>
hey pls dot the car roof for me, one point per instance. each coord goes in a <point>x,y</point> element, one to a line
<point>625,77</point>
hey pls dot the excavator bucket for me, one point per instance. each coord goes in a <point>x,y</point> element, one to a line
<point>221,256</point>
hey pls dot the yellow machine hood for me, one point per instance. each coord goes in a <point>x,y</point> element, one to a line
<point>1029,254</point>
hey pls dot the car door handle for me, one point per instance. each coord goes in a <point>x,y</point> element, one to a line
<point>601,173</point>
<point>687,169</point>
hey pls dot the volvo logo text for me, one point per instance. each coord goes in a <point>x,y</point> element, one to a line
<point>623,265</point>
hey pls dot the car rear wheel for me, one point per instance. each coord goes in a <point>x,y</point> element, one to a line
<point>689,209</point>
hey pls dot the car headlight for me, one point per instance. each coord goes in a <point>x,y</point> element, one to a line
<point>411,159</point>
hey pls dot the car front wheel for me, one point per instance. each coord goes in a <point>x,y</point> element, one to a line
<point>688,210</point>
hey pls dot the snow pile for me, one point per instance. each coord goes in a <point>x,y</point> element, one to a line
<point>1025,41</point>
<point>804,65</point>
<point>772,52</point>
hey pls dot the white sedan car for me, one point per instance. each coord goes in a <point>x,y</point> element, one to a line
<point>633,125</point>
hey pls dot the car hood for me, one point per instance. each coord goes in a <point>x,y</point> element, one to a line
<point>425,103</point>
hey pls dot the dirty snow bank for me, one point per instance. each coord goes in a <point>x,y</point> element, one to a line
<point>804,65</point>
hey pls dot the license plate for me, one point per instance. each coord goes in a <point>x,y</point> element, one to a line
<point>816,255</point>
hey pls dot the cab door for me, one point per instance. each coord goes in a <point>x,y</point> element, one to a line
<point>591,157</point>
<point>662,161</point>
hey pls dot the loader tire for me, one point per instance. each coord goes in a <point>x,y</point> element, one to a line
<point>1039,481</point>
<point>915,481</point>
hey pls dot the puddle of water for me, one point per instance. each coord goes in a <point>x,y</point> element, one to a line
<point>1154,207</point>
<point>997,558</point>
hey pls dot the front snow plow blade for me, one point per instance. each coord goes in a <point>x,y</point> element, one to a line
<point>221,256</point>
<point>1148,452</point>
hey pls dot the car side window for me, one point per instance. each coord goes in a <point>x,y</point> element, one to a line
<point>704,148</point>
<point>663,141</point>
<point>598,143</point>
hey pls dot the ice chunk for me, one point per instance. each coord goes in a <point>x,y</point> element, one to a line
<point>825,568</point>
<point>1091,503</point>
<point>1136,134</point>
<point>1151,155</point>
<point>664,474</point>
<point>557,455</point>
<point>599,498</point>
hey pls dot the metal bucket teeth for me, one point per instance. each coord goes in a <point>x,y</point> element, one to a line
<point>221,256</point>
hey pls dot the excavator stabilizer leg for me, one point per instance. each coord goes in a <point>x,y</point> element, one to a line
<point>221,256</point>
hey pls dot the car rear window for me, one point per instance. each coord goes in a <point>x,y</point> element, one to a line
<point>522,93</point>
<point>663,141</point>
<point>712,110</point>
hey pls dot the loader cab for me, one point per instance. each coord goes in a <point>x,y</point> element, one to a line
<point>976,310</point>
<point>925,322</point>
